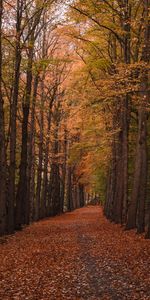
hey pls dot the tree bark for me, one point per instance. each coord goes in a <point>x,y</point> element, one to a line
<point>81,194</point>
<point>46,160</point>
<point>31,153</point>
<point>3,176</point>
<point>140,175</point>
<point>55,168</point>
<point>69,190</point>
<point>13,125</point>
<point>63,177</point>
<point>40,155</point>
<point>22,203</point>
<point>138,197</point>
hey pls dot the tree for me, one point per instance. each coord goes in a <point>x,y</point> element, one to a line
<point>140,177</point>
<point>3,168</point>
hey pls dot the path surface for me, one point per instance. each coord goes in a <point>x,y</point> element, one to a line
<point>79,255</point>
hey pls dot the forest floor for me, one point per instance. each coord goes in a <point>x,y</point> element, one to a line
<point>78,255</point>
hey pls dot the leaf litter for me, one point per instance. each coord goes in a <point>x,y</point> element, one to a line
<point>78,255</point>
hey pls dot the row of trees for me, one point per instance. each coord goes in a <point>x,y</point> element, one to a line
<point>112,40</point>
<point>74,110</point>
<point>35,178</point>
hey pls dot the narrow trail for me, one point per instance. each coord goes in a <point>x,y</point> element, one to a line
<point>79,255</point>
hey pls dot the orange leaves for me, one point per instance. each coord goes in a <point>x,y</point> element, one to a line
<point>78,255</point>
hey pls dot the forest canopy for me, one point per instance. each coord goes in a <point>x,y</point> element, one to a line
<point>74,110</point>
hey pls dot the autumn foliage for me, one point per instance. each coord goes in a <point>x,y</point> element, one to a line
<point>79,255</point>
<point>74,110</point>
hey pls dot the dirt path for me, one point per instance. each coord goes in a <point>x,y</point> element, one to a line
<point>78,255</point>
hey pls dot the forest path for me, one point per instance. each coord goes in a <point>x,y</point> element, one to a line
<point>78,255</point>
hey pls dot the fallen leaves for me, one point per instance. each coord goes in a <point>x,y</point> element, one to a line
<point>79,255</point>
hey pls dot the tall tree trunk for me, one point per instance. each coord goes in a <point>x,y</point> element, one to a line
<point>55,168</point>
<point>117,169</point>
<point>117,188</point>
<point>111,186</point>
<point>146,58</point>
<point>108,200</point>
<point>138,197</point>
<point>55,189</point>
<point>46,159</point>
<point>31,152</point>
<point>148,229</point>
<point>40,155</point>
<point>125,109</point>
<point>63,177</point>
<point>13,125</point>
<point>22,203</point>
<point>3,176</point>
<point>144,172</point>
<point>69,189</point>
<point>140,174</point>
<point>81,195</point>
<point>125,158</point>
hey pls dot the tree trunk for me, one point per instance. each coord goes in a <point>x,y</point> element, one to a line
<point>140,175</point>
<point>55,169</point>
<point>3,176</point>
<point>22,203</point>
<point>118,164</point>
<point>146,58</point>
<point>40,155</point>
<point>31,153</point>
<point>125,109</point>
<point>81,194</point>
<point>55,189</point>
<point>46,160</point>
<point>148,230</point>
<point>63,177</point>
<point>125,158</point>
<point>69,189</point>
<point>111,185</point>
<point>13,125</point>
<point>138,197</point>
<point>117,188</point>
